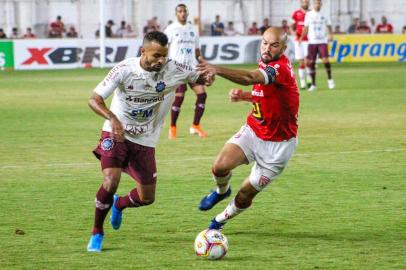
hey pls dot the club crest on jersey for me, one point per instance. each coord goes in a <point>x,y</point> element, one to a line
<point>107,144</point>
<point>160,87</point>
<point>192,34</point>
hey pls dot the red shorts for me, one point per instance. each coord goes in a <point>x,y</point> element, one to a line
<point>183,87</point>
<point>136,160</point>
<point>317,49</point>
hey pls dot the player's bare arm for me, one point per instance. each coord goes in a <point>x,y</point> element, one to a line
<point>330,33</point>
<point>198,53</point>
<point>97,104</point>
<point>206,78</point>
<point>243,77</point>
<point>236,95</point>
<point>304,33</point>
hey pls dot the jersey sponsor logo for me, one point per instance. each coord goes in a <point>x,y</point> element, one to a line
<point>136,130</point>
<point>257,94</point>
<point>181,67</point>
<point>70,55</point>
<point>145,100</point>
<point>107,144</point>
<point>263,181</point>
<point>141,114</point>
<point>186,51</point>
<point>160,86</point>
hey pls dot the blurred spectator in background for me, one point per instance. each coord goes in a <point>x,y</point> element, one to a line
<point>156,24</point>
<point>285,26</point>
<point>53,31</point>
<point>230,30</point>
<point>120,31</point>
<point>128,32</point>
<point>150,27</point>
<point>404,30</point>
<point>72,32</point>
<point>14,33</point>
<point>2,34</point>
<point>29,34</point>
<point>217,28</point>
<point>254,30</point>
<point>384,27</point>
<point>363,28</point>
<point>372,22</point>
<point>353,27</point>
<point>337,30</point>
<point>108,28</point>
<point>265,25</point>
<point>57,28</point>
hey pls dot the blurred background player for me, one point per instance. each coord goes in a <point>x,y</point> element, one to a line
<point>143,89</point>
<point>184,49</point>
<point>317,27</point>
<point>297,26</point>
<point>269,135</point>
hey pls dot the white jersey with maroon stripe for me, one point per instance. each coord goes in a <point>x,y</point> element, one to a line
<point>142,99</point>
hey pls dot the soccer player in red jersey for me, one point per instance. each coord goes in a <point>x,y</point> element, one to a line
<point>297,26</point>
<point>269,136</point>
<point>384,27</point>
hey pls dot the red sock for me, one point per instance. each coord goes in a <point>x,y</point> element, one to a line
<point>199,108</point>
<point>132,199</point>
<point>104,201</point>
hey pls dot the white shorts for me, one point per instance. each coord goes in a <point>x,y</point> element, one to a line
<point>300,50</point>
<point>270,157</point>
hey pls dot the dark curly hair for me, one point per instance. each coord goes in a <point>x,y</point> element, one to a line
<point>155,36</point>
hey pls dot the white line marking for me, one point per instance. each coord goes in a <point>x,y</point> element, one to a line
<point>88,164</point>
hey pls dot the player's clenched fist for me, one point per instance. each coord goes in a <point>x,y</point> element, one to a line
<point>235,95</point>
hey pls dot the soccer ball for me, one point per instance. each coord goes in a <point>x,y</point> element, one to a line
<point>211,244</point>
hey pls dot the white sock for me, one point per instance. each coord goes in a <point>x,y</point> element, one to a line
<point>223,181</point>
<point>230,212</point>
<point>308,77</point>
<point>302,77</point>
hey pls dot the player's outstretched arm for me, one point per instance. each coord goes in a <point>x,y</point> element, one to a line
<point>206,79</point>
<point>243,77</point>
<point>96,103</point>
<point>236,95</point>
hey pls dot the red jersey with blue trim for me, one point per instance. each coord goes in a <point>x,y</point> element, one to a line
<point>298,17</point>
<point>276,103</point>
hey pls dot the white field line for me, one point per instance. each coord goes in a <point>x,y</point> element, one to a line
<point>87,164</point>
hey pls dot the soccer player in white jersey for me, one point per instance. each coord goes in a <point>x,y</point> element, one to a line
<point>184,48</point>
<point>317,27</point>
<point>143,89</point>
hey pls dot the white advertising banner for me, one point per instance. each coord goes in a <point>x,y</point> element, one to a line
<point>76,53</point>
<point>70,53</point>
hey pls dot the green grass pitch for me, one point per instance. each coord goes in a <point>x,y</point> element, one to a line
<point>340,204</point>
